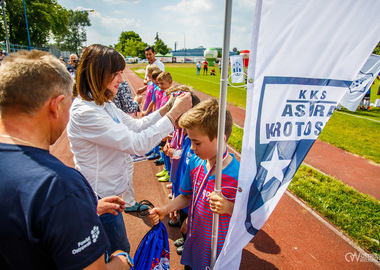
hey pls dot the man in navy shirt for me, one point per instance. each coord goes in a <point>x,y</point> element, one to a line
<point>48,211</point>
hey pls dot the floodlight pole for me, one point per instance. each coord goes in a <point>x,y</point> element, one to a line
<point>27,26</point>
<point>8,46</point>
<point>221,123</point>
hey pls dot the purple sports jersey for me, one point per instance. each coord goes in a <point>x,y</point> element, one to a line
<point>164,99</point>
<point>197,250</point>
<point>149,94</point>
<point>157,97</point>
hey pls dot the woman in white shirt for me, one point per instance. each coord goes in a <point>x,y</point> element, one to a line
<point>102,137</point>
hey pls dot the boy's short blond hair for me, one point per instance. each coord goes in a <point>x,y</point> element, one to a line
<point>165,76</point>
<point>28,79</point>
<point>152,68</point>
<point>176,88</point>
<point>183,88</point>
<point>155,73</point>
<point>205,116</point>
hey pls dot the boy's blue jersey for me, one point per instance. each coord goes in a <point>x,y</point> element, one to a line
<point>182,165</point>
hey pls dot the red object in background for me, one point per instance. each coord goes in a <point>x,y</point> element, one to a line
<point>245,54</point>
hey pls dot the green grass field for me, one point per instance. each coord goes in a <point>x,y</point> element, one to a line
<point>357,133</point>
<point>355,213</point>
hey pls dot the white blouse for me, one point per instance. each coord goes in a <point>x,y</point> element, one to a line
<point>101,137</point>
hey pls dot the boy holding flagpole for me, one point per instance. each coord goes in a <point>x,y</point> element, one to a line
<point>198,184</point>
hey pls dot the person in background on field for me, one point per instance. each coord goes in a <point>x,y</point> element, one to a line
<point>150,55</point>
<point>54,218</point>
<point>197,187</point>
<point>205,67</point>
<point>365,102</point>
<point>102,136</point>
<point>198,65</point>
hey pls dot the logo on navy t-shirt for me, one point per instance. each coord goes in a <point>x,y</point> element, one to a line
<point>87,241</point>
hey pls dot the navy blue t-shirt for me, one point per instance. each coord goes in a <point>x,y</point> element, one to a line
<point>48,216</point>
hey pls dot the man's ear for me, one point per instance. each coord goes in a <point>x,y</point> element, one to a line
<point>54,105</point>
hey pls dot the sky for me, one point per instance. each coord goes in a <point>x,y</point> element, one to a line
<point>190,23</point>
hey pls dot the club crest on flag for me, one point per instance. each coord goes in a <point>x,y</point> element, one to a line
<point>361,82</point>
<point>237,71</point>
<point>284,136</point>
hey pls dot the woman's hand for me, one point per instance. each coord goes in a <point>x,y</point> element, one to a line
<point>220,205</point>
<point>181,105</point>
<point>111,205</point>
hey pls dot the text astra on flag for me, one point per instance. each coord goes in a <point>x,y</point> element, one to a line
<point>304,57</point>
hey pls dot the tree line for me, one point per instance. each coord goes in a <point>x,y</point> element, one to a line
<point>47,20</point>
<point>131,44</point>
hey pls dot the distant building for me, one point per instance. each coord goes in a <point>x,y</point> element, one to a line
<point>192,55</point>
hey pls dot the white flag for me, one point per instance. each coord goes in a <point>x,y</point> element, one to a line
<point>304,56</point>
<point>237,70</point>
<point>362,83</point>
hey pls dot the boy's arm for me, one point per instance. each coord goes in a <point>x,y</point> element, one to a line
<point>148,109</point>
<point>158,213</point>
<point>141,90</point>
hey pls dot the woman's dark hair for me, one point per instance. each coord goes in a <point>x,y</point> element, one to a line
<point>97,67</point>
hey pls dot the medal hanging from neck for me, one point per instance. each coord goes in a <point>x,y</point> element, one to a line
<point>177,153</point>
<point>197,192</point>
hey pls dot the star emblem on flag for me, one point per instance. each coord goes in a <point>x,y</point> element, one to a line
<point>275,166</point>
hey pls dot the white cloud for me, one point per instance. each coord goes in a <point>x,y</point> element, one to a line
<point>188,22</point>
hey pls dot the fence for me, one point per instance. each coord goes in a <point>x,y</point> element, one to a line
<point>15,47</point>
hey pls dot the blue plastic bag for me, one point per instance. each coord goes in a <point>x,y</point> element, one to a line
<point>153,251</point>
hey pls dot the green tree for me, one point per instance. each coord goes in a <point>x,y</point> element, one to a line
<point>75,36</point>
<point>160,46</point>
<point>131,44</point>
<point>44,17</point>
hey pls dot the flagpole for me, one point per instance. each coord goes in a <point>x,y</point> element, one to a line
<point>222,119</point>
